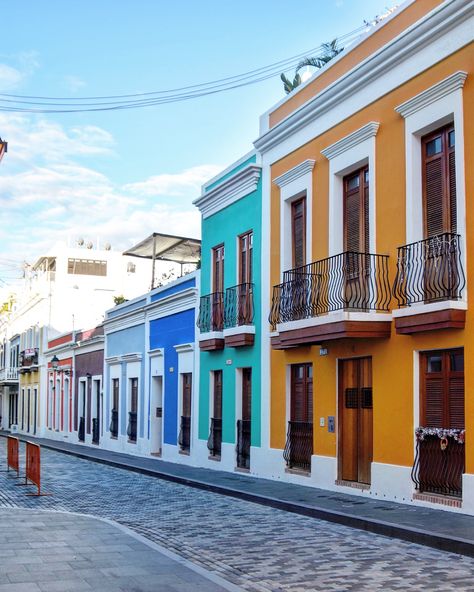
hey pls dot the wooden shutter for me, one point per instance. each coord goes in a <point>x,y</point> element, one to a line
<point>246,393</point>
<point>187,390</point>
<point>443,390</point>
<point>439,182</point>
<point>301,393</point>
<point>356,211</point>
<point>298,223</point>
<point>134,395</point>
<point>218,268</point>
<point>245,257</point>
<point>217,394</point>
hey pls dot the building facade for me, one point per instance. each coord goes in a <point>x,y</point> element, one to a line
<point>366,170</point>
<point>230,318</point>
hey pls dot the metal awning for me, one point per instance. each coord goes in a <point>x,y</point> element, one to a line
<point>167,247</point>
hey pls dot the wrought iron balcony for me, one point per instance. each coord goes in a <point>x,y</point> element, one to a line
<point>349,281</point>
<point>211,312</point>
<point>243,443</point>
<point>238,306</point>
<point>299,445</point>
<point>184,438</point>
<point>81,432</point>
<point>114,423</point>
<point>214,442</point>
<point>439,463</point>
<point>132,426</point>
<point>429,271</point>
<point>29,357</point>
<point>95,430</point>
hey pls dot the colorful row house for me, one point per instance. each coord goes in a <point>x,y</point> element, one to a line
<point>366,170</point>
<point>150,372</point>
<point>230,318</point>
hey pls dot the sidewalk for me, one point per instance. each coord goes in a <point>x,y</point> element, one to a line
<point>449,531</point>
<point>44,551</point>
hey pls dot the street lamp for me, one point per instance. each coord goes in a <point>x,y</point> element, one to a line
<point>55,363</point>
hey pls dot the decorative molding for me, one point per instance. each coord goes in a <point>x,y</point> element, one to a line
<point>156,353</point>
<point>184,348</point>
<point>131,357</point>
<point>295,173</point>
<point>126,321</point>
<point>229,191</point>
<point>427,30</point>
<point>432,94</point>
<point>172,304</point>
<point>113,360</point>
<point>364,133</point>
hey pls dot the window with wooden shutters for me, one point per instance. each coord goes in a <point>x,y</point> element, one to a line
<point>246,393</point>
<point>217,403</point>
<point>356,211</point>
<point>245,258</point>
<point>133,395</point>
<point>443,389</point>
<point>302,392</point>
<point>298,230</point>
<point>218,268</point>
<point>115,394</point>
<point>187,390</point>
<point>439,182</point>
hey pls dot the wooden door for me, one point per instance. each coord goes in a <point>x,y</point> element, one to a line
<point>246,393</point>
<point>355,423</point>
<point>298,231</point>
<point>301,393</point>
<point>218,269</point>
<point>187,390</point>
<point>217,403</point>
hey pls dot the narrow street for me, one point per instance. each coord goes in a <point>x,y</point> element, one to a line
<point>254,547</point>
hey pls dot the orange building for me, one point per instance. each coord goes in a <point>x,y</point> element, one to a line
<point>367,169</point>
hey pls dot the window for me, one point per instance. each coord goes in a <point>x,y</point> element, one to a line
<point>86,267</point>
<point>301,408</point>
<point>356,211</point>
<point>115,408</point>
<point>218,269</point>
<point>115,394</point>
<point>187,390</point>
<point>132,416</point>
<point>442,389</point>
<point>439,182</point>
<point>245,258</point>
<point>217,399</point>
<point>298,231</point>
<point>133,395</point>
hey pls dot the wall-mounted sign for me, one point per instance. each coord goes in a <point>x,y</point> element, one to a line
<point>323,351</point>
<point>228,362</point>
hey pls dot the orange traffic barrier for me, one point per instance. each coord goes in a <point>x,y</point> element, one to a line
<point>12,454</point>
<point>33,467</point>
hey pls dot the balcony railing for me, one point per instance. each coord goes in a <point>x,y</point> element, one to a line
<point>238,306</point>
<point>429,271</point>
<point>299,445</point>
<point>439,463</point>
<point>95,430</point>
<point>243,443</point>
<point>132,426</point>
<point>8,374</point>
<point>211,312</point>
<point>81,432</point>
<point>214,442</point>
<point>184,438</point>
<point>348,281</point>
<point>114,423</point>
<point>29,357</point>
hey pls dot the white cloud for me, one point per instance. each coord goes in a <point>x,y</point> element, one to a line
<point>50,192</point>
<point>10,77</point>
<point>174,184</point>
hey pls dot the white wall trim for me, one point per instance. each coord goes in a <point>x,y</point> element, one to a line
<point>432,94</point>
<point>184,347</point>
<point>295,173</point>
<point>156,352</point>
<point>242,183</point>
<point>364,133</point>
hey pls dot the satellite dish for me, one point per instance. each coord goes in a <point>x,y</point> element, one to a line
<point>107,246</point>
<point>80,241</point>
<point>89,245</point>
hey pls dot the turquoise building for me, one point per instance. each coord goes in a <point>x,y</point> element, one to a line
<point>229,421</point>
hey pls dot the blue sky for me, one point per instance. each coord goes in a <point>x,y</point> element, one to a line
<point>121,175</point>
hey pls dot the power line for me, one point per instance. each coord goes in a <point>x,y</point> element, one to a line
<point>45,104</point>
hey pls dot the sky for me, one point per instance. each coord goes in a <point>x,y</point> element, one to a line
<point>118,176</point>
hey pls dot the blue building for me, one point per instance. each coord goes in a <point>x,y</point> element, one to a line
<point>150,372</point>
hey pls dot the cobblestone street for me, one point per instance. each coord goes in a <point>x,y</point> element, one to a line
<point>257,548</point>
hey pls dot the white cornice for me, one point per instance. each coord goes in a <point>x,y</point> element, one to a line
<point>432,94</point>
<point>229,191</point>
<point>298,171</point>
<point>172,304</point>
<point>184,348</point>
<point>131,357</point>
<point>433,26</point>
<point>363,133</point>
<point>125,321</point>
<point>156,353</point>
<point>113,360</point>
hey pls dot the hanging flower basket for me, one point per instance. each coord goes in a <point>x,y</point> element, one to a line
<point>441,433</point>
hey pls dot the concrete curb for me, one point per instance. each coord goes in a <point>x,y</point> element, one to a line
<point>451,544</point>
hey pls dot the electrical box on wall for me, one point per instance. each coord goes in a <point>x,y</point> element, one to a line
<point>331,423</point>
